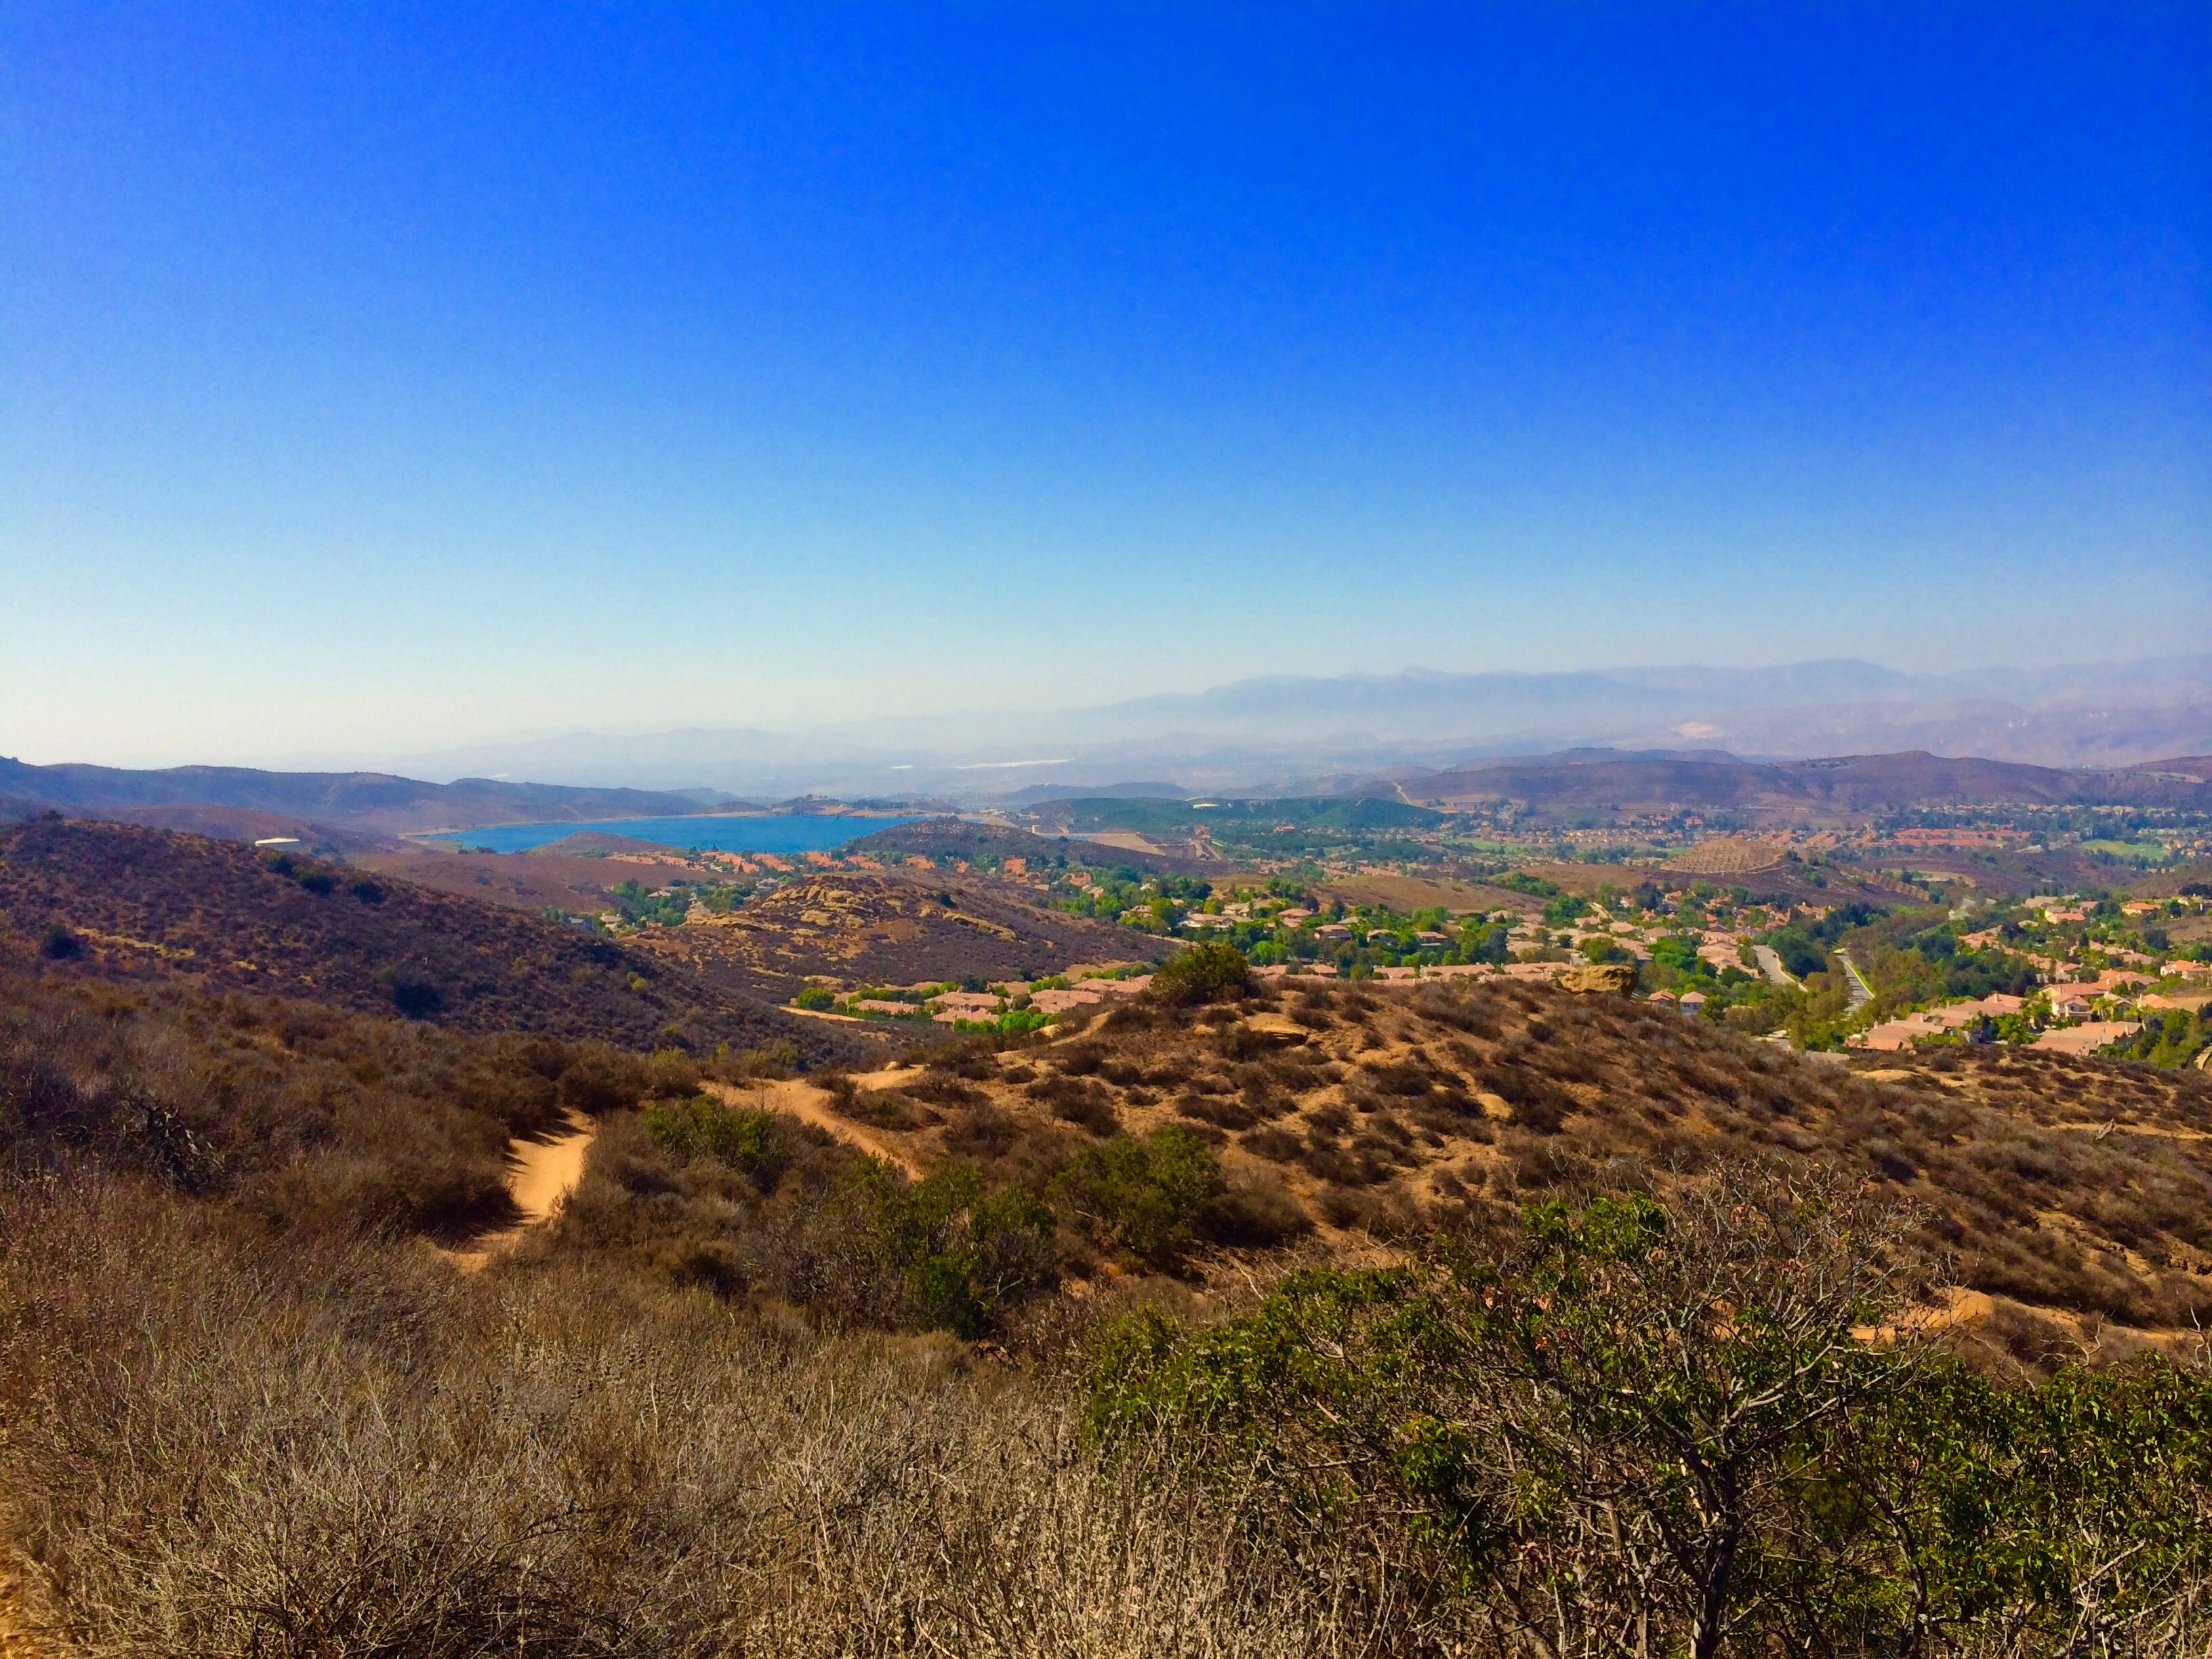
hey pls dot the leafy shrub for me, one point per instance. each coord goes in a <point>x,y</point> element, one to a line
<point>815,997</point>
<point>1208,972</point>
<point>959,1251</point>
<point>1800,955</point>
<point>702,1127</point>
<point>601,1079</point>
<point>1659,1420</point>
<point>1520,881</point>
<point>1014,1022</point>
<point>1562,908</point>
<point>59,944</point>
<point>1144,1196</point>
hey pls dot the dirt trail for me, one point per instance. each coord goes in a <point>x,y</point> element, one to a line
<point>803,1101</point>
<point>541,1173</point>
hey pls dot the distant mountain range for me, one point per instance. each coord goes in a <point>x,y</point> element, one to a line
<point>1278,735</point>
<point>1687,735</point>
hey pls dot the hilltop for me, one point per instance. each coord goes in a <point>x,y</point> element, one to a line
<point>963,838</point>
<point>118,901</point>
<point>888,928</point>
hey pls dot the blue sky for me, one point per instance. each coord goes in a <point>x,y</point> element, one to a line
<point>376,379</point>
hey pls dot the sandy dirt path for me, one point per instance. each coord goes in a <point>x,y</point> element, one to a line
<point>803,1101</point>
<point>540,1173</point>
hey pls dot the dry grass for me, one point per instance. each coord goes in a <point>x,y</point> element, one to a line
<point>216,1447</point>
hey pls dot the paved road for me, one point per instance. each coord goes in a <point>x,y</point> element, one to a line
<point>1862,993</point>
<point>1771,966</point>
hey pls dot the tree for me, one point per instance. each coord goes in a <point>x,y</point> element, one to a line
<point>1207,972</point>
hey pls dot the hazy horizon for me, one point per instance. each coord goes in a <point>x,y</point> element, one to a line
<point>375,383</point>
<point>1286,733</point>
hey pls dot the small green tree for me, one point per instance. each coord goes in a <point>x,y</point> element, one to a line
<point>1208,972</point>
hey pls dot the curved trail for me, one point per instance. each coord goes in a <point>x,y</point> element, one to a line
<point>802,1100</point>
<point>540,1173</point>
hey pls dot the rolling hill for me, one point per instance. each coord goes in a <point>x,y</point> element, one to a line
<point>2064,1191</point>
<point>115,900</point>
<point>344,802</point>
<point>889,929</point>
<point>1842,789</point>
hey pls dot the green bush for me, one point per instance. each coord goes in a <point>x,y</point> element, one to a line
<point>1144,1196</point>
<point>703,1127</point>
<point>1208,972</point>
<point>1562,908</point>
<point>1662,1421</point>
<point>959,1252</point>
<point>1014,1022</point>
<point>815,997</point>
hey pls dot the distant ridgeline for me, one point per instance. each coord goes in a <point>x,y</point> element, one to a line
<point>1182,818</point>
<point>354,801</point>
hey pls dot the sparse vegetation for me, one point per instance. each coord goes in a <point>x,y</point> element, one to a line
<point>1485,1319</point>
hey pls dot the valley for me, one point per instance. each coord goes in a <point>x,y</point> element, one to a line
<point>966,1125</point>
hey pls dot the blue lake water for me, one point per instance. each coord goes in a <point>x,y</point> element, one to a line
<point>780,833</point>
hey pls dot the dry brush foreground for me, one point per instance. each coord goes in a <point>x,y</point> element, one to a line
<point>246,1408</point>
<point>224,1448</point>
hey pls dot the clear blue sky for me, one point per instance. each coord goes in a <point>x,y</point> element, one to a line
<point>373,378</point>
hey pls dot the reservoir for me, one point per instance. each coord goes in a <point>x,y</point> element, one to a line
<point>792,832</point>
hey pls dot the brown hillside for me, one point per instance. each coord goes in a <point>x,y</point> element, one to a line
<point>889,929</point>
<point>2066,1189</point>
<point>960,839</point>
<point>135,902</point>
<point>344,800</point>
<point>526,881</point>
<point>1846,789</point>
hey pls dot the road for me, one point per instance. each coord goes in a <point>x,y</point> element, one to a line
<point>1771,966</point>
<point>1862,993</point>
